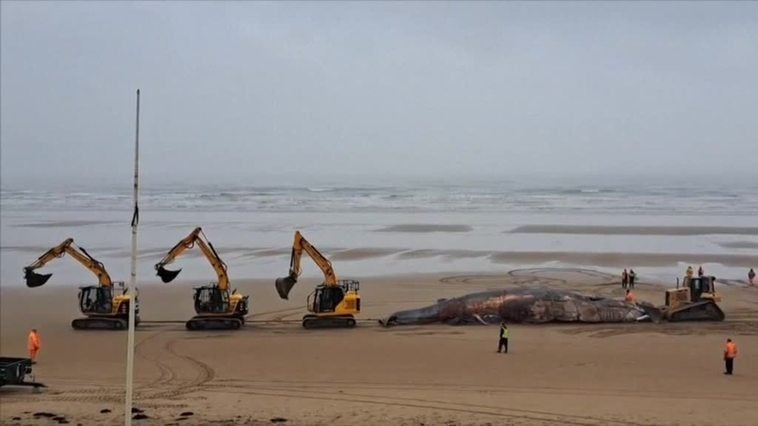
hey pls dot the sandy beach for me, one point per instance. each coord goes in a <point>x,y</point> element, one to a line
<point>274,371</point>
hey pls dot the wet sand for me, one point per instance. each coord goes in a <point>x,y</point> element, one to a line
<point>635,230</point>
<point>575,374</point>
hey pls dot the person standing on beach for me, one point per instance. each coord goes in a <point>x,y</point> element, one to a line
<point>751,276</point>
<point>700,271</point>
<point>33,344</point>
<point>730,353</point>
<point>632,276</point>
<point>689,271</point>
<point>624,279</point>
<point>503,343</point>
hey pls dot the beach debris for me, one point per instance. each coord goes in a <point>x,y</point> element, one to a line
<point>137,410</point>
<point>16,418</point>
<point>44,414</point>
<point>187,414</point>
<point>105,410</point>
<point>140,416</point>
<point>278,420</point>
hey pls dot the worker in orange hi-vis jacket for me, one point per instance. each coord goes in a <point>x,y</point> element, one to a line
<point>730,353</point>
<point>34,344</point>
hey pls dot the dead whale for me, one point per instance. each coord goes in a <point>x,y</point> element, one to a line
<point>525,305</point>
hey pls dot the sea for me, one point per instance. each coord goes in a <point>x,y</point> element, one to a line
<point>384,226</point>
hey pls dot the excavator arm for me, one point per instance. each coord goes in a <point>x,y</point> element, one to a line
<point>195,237</point>
<point>300,245</point>
<point>79,254</point>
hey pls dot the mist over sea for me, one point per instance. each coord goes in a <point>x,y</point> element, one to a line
<point>385,226</point>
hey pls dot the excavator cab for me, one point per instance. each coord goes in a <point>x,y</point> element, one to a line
<point>341,298</point>
<point>211,300</point>
<point>106,301</point>
<point>96,300</point>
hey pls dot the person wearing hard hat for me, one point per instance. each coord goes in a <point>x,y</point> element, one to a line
<point>34,344</point>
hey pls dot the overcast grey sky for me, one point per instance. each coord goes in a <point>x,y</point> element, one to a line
<point>241,89</point>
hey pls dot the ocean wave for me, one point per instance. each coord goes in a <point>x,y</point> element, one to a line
<point>432,198</point>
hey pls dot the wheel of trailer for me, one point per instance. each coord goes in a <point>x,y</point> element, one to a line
<point>189,325</point>
<point>307,323</point>
<point>236,324</point>
<point>350,323</point>
<point>119,325</point>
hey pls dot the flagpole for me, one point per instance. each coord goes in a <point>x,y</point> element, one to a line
<point>132,282</point>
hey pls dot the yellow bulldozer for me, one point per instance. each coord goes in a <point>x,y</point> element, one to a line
<point>695,300</point>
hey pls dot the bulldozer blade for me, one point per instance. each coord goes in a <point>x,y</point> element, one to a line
<point>167,275</point>
<point>284,285</point>
<point>35,280</point>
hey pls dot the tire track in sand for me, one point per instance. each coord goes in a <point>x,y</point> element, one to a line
<point>204,373</point>
<point>438,405</point>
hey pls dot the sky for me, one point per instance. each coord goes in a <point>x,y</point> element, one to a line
<point>240,91</point>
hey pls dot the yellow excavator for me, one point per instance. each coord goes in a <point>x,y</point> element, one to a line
<point>695,300</point>
<point>102,307</point>
<point>334,302</point>
<point>216,307</point>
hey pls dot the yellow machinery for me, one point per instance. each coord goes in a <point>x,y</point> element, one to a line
<point>216,308</point>
<point>104,310</point>
<point>695,300</point>
<point>334,302</point>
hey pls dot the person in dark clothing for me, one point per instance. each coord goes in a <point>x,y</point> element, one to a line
<point>632,277</point>
<point>624,279</point>
<point>503,343</point>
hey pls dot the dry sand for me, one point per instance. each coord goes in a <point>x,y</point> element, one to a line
<point>575,374</point>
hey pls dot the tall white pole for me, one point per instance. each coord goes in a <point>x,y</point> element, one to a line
<point>132,282</point>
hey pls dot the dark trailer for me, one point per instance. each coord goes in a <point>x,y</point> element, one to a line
<point>14,371</point>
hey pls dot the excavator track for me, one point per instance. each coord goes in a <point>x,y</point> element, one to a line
<point>101,323</point>
<point>340,321</point>
<point>701,311</point>
<point>214,323</point>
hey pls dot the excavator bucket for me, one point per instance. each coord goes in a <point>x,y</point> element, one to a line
<point>167,275</point>
<point>35,280</point>
<point>284,285</point>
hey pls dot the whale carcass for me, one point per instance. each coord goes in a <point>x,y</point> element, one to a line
<point>525,305</point>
